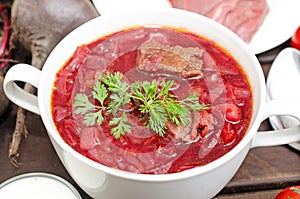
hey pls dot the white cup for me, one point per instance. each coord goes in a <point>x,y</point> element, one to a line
<point>103,182</point>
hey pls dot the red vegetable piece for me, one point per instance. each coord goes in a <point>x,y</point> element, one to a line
<point>90,138</point>
<point>295,41</point>
<point>233,113</point>
<point>228,134</point>
<point>292,192</point>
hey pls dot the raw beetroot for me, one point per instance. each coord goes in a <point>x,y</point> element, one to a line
<point>37,26</point>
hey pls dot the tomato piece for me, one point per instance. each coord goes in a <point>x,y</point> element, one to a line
<point>228,134</point>
<point>295,40</point>
<point>292,192</point>
<point>233,113</point>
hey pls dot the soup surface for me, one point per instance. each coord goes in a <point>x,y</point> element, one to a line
<point>152,100</point>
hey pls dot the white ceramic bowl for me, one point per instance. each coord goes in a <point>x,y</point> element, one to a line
<point>106,183</point>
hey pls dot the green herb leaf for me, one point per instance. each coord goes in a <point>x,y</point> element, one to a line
<point>177,113</point>
<point>165,88</point>
<point>295,190</point>
<point>113,81</point>
<point>91,112</point>
<point>83,104</point>
<point>157,118</point>
<point>91,118</point>
<point>120,126</point>
<point>99,92</point>
<point>153,99</point>
<point>119,97</point>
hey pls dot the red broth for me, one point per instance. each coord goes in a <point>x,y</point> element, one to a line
<point>224,86</point>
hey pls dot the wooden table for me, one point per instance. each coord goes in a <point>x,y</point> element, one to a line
<point>263,174</point>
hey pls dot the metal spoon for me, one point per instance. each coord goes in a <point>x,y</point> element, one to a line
<point>283,83</point>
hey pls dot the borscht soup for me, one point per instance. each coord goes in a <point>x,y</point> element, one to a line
<point>152,100</point>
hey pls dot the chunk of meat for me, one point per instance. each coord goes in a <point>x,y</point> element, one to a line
<point>205,124</point>
<point>198,6</point>
<point>199,120</point>
<point>250,15</point>
<point>174,60</point>
<point>244,17</point>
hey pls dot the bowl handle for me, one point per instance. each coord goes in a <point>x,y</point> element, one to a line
<point>23,73</point>
<point>281,136</point>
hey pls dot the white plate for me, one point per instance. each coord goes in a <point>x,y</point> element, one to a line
<point>279,25</point>
<point>105,7</point>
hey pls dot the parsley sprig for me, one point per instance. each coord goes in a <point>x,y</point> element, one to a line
<point>153,99</point>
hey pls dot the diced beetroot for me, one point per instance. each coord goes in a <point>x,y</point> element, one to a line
<point>60,113</point>
<point>228,134</point>
<point>233,113</point>
<point>89,138</point>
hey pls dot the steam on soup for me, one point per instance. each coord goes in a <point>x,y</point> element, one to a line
<point>152,100</point>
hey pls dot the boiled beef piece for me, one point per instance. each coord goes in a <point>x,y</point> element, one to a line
<point>201,123</point>
<point>185,62</point>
